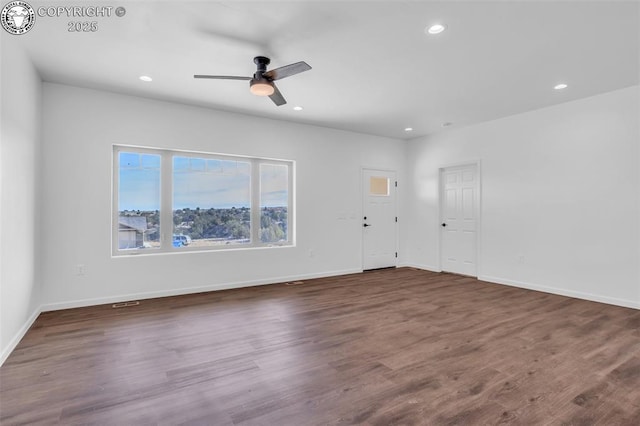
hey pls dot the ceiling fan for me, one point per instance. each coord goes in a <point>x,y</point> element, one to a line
<point>262,82</point>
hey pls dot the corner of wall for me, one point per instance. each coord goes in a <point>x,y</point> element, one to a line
<point>20,186</point>
<point>10,347</point>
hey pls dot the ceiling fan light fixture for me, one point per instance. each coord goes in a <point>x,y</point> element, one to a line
<point>261,88</point>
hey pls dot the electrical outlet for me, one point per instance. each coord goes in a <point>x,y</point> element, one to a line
<point>311,253</point>
<point>80,269</point>
<point>521,258</point>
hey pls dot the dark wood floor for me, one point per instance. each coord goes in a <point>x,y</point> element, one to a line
<point>390,347</point>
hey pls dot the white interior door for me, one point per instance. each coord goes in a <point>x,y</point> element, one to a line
<point>379,224</point>
<point>459,213</point>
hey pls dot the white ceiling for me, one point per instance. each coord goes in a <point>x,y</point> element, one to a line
<point>374,68</point>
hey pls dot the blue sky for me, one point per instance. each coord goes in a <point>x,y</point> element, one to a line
<point>197,182</point>
<point>274,181</point>
<point>139,182</point>
<point>210,183</point>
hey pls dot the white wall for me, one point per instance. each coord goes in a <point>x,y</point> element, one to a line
<point>19,156</point>
<point>79,128</point>
<point>560,186</point>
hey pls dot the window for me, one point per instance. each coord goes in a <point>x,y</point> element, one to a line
<point>379,186</point>
<point>172,201</point>
<point>211,201</point>
<point>138,200</point>
<point>274,197</point>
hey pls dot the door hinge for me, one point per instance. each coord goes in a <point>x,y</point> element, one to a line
<point>396,184</point>
<point>396,254</point>
<point>396,219</point>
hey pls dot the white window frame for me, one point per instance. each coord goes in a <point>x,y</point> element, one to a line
<point>166,201</point>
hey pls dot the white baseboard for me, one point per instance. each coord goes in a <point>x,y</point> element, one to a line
<point>563,292</point>
<point>19,335</point>
<point>180,291</point>
<point>545,289</point>
<point>429,268</point>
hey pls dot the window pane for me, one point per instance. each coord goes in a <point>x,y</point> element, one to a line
<point>379,186</point>
<point>138,201</point>
<point>211,202</point>
<point>274,202</point>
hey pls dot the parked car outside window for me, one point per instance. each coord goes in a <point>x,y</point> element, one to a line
<point>181,240</point>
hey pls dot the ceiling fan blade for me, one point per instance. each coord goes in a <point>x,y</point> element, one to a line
<point>287,70</point>
<point>222,77</point>
<point>277,97</point>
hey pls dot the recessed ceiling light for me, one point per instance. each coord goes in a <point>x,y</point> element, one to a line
<point>447,124</point>
<point>408,129</point>
<point>560,86</point>
<point>436,29</point>
<point>297,108</point>
<point>145,78</point>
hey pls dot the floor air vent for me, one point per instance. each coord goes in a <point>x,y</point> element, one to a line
<point>125,304</point>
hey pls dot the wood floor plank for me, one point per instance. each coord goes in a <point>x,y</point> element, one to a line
<point>389,347</point>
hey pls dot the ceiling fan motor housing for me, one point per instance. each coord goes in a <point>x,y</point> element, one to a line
<point>261,85</point>
<point>261,62</point>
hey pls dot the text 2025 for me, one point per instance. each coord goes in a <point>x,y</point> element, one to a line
<point>82,27</point>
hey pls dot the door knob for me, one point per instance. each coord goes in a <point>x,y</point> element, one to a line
<point>444,224</point>
<point>366,224</point>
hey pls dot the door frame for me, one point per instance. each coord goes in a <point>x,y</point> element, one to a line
<point>362,203</point>
<point>478,165</point>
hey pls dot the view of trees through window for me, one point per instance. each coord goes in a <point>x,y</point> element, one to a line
<point>211,201</point>
<point>274,196</point>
